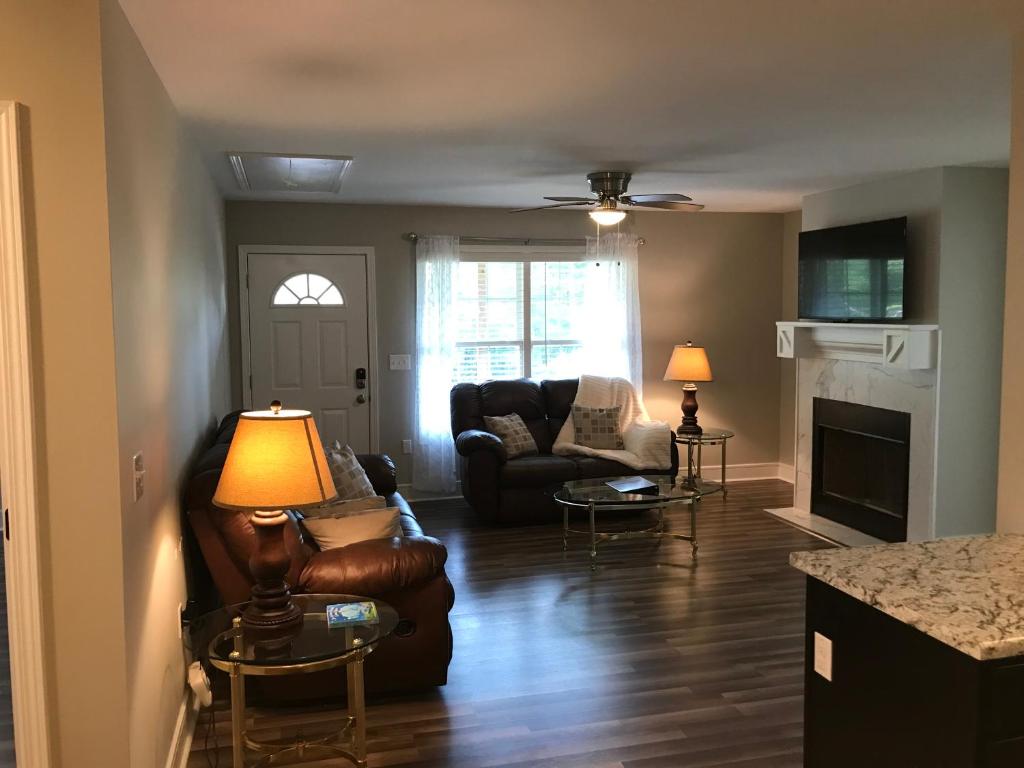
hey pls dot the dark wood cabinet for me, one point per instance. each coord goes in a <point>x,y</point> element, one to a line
<point>903,699</point>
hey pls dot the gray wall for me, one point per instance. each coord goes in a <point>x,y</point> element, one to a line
<point>166,229</point>
<point>712,277</point>
<point>972,272</point>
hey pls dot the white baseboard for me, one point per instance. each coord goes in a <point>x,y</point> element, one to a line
<point>766,471</point>
<point>734,472</point>
<point>184,730</point>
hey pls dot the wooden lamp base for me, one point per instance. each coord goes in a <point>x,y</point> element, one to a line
<point>271,607</point>
<point>689,408</point>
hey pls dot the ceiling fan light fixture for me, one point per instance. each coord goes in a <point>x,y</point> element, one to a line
<point>605,217</point>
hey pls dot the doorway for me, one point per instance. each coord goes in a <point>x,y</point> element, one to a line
<point>309,337</point>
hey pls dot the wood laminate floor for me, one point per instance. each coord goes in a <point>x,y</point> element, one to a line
<point>652,661</point>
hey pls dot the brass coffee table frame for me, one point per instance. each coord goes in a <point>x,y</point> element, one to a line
<point>656,531</point>
<point>275,751</point>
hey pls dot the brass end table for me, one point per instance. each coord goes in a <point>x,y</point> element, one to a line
<point>595,495</point>
<point>311,647</point>
<point>697,441</point>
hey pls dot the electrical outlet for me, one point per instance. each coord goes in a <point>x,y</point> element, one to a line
<point>823,656</point>
<point>138,477</point>
<point>407,446</point>
<point>400,362</point>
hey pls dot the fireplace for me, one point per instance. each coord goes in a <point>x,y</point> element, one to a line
<point>860,467</point>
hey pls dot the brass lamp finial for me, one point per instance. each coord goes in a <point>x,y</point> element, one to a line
<point>275,406</point>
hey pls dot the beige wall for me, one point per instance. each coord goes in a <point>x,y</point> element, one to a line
<point>787,367</point>
<point>50,61</point>
<point>690,287</point>
<point>166,255</point>
<point>1011,444</point>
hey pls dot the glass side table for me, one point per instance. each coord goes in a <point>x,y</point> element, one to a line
<point>311,647</point>
<point>694,465</point>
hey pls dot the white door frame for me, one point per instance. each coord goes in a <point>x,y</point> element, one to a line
<point>18,462</point>
<point>371,317</point>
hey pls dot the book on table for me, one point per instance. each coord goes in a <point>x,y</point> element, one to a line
<point>633,485</point>
<point>347,614</point>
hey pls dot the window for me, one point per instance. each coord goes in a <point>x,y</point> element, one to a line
<point>308,289</point>
<point>521,314</point>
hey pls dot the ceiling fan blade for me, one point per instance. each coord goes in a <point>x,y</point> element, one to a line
<point>556,205</point>
<point>572,199</point>
<point>670,206</point>
<point>665,198</point>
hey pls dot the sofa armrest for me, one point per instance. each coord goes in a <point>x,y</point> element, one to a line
<point>375,567</point>
<point>381,471</point>
<point>473,440</point>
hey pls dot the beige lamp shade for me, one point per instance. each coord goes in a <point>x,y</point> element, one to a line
<point>275,462</point>
<point>688,363</point>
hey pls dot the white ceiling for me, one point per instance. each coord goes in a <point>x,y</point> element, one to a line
<point>743,104</point>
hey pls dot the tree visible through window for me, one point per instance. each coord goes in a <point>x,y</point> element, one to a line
<point>307,288</point>
<point>520,318</point>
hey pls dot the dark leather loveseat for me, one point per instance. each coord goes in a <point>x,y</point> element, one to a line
<point>511,491</point>
<point>406,572</point>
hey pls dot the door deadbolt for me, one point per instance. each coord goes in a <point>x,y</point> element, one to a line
<point>360,378</point>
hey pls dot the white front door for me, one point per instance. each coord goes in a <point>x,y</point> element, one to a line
<point>309,337</point>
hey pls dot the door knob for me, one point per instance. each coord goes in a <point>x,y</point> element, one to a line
<point>360,399</point>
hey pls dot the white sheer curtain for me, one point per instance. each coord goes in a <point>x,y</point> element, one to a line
<point>437,262</point>
<point>611,344</point>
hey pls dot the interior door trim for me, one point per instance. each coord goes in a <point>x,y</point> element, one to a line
<point>27,606</point>
<point>367,253</point>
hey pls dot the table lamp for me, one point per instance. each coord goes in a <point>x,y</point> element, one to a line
<point>275,462</point>
<point>688,364</point>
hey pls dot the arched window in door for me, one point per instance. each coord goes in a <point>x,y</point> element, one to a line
<point>307,288</point>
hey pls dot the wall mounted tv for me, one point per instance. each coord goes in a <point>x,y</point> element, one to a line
<point>853,274</point>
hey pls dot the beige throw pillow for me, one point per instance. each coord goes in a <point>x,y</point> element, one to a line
<point>597,427</point>
<point>513,433</point>
<point>349,477</point>
<point>350,527</point>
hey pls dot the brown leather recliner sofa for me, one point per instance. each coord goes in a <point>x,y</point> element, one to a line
<point>514,491</point>
<point>406,572</point>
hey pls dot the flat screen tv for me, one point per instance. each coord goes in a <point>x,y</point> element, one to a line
<point>853,274</point>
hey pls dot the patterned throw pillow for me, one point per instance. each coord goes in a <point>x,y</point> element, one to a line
<point>349,476</point>
<point>597,427</point>
<point>513,433</point>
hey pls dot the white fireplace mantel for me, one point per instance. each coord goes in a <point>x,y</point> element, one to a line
<point>906,347</point>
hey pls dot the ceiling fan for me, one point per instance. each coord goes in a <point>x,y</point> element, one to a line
<point>610,188</point>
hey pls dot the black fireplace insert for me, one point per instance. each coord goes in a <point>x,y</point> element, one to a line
<point>861,467</point>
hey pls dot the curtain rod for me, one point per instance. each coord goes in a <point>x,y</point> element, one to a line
<point>412,237</point>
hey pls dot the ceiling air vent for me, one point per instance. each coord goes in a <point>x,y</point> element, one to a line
<point>262,172</point>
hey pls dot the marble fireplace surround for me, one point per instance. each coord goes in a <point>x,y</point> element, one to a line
<point>822,371</point>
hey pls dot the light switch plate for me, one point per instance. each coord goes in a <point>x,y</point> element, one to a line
<point>407,446</point>
<point>400,362</point>
<point>823,656</point>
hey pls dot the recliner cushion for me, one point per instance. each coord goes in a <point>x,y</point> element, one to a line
<point>536,471</point>
<point>521,396</point>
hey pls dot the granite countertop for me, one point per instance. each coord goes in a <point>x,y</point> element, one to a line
<point>967,592</point>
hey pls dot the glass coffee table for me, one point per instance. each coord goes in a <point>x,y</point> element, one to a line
<point>311,647</point>
<point>595,496</point>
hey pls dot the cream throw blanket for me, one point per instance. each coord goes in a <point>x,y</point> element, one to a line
<point>646,442</point>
